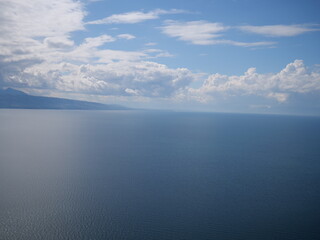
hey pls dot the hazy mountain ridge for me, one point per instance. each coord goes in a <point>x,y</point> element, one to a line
<point>12,98</point>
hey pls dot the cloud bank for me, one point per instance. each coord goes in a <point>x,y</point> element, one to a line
<point>38,51</point>
<point>294,78</point>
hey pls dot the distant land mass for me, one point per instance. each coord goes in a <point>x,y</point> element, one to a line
<point>12,98</point>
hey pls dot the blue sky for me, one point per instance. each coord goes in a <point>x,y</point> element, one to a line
<point>206,55</point>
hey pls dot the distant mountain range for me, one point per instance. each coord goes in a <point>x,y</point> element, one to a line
<point>12,98</point>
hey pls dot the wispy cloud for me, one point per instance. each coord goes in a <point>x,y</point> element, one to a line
<point>280,30</point>
<point>157,53</point>
<point>126,36</point>
<point>135,17</point>
<point>151,44</point>
<point>196,32</point>
<point>97,41</point>
<point>203,33</point>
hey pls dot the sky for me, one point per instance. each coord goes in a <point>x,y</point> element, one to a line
<point>247,56</point>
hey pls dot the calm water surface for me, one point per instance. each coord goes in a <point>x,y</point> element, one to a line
<point>156,175</point>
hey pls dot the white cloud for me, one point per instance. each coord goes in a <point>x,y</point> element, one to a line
<point>196,32</point>
<point>39,18</point>
<point>156,53</point>
<point>126,36</point>
<point>145,79</point>
<point>132,91</point>
<point>279,30</point>
<point>151,44</point>
<point>280,97</point>
<point>97,41</point>
<point>244,44</point>
<point>58,42</point>
<point>135,17</point>
<point>107,56</point>
<point>37,51</point>
<point>294,78</point>
<point>38,29</point>
<point>203,33</point>
<point>91,50</point>
<point>153,50</point>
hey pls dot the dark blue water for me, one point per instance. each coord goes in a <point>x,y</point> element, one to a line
<point>156,175</point>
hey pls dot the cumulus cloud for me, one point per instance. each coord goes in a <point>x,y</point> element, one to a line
<point>203,33</point>
<point>34,31</point>
<point>40,30</point>
<point>147,79</point>
<point>135,17</point>
<point>38,52</point>
<point>294,78</point>
<point>279,30</point>
<point>32,27</point>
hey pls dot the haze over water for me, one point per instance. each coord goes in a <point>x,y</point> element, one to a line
<point>158,175</point>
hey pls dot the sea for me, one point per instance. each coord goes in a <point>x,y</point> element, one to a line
<point>135,175</point>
